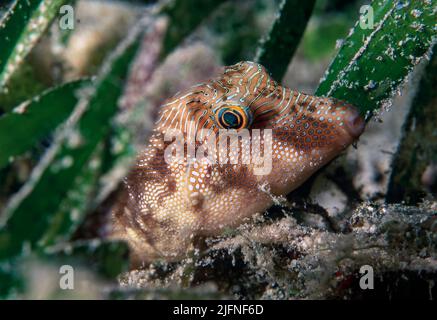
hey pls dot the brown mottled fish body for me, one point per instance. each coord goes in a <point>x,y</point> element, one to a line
<point>164,205</point>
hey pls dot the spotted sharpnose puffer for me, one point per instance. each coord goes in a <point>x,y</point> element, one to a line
<point>165,204</point>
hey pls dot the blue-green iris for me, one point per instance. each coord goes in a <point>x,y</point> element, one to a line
<point>231,119</point>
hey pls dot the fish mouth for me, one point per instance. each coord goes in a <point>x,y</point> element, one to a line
<point>354,123</point>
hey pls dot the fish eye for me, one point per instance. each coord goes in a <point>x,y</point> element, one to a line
<point>233,117</point>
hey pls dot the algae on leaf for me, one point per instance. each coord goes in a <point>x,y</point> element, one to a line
<point>20,29</point>
<point>373,62</point>
<point>417,150</point>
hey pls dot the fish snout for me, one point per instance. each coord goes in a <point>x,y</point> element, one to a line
<point>354,123</point>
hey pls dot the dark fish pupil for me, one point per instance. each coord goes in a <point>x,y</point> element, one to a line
<point>231,119</point>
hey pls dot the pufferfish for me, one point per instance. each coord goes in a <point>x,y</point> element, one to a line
<point>164,204</point>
